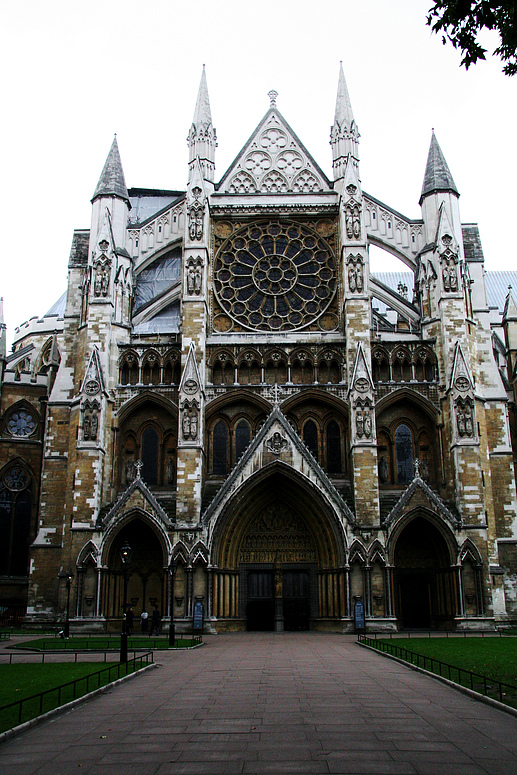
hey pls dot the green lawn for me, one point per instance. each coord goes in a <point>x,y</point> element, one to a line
<point>493,657</point>
<point>99,643</point>
<point>20,681</point>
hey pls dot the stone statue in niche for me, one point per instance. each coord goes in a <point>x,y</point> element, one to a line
<point>349,223</point>
<point>356,223</point>
<point>190,421</point>
<point>424,468</point>
<point>449,276</point>
<point>198,280</point>
<point>359,424</point>
<point>367,424</point>
<point>191,275</point>
<point>464,420</point>
<point>195,224</point>
<point>353,220</point>
<point>101,282</point>
<point>94,426</point>
<point>130,471</point>
<point>86,428</point>
<point>170,471</point>
<point>351,278</point>
<point>355,275</point>
<point>383,470</point>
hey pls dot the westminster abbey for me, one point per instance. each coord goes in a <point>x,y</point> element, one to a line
<point>276,432</point>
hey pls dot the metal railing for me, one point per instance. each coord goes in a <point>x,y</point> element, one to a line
<point>93,644</point>
<point>476,682</point>
<point>42,702</point>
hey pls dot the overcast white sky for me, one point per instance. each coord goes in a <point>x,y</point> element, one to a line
<point>76,72</point>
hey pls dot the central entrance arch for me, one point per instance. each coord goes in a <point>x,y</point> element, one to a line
<point>279,558</point>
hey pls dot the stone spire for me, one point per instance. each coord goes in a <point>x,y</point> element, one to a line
<point>437,174</point>
<point>112,182</point>
<point>344,135</point>
<point>202,138</point>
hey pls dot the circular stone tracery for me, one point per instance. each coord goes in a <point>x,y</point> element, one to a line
<point>275,276</point>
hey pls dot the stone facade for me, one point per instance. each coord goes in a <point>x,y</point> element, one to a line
<point>227,387</point>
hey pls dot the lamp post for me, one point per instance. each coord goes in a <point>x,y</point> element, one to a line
<point>173,567</point>
<point>66,630</point>
<point>125,556</point>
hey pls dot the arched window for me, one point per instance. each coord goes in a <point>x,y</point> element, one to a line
<point>310,437</point>
<point>242,438</point>
<point>220,449</point>
<point>333,448</point>
<point>15,519</point>
<point>150,456</point>
<point>404,453</point>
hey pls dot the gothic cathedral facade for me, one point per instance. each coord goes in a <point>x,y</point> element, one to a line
<point>277,432</point>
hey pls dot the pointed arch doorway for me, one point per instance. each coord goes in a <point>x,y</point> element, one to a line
<point>147,581</point>
<point>425,581</point>
<point>278,559</point>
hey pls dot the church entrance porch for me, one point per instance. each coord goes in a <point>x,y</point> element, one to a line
<point>278,562</point>
<point>425,582</point>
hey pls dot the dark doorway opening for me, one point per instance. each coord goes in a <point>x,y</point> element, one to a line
<point>424,580</point>
<point>260,606</point>
<point>296,605</point>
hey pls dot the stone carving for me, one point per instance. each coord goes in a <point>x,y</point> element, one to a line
<point>129,471</point>
<point>277,536</point>
<point>190,420</point>
<point>353,219</point>
<point>91,411</point>
<point>277,443</point>
<point>102,277</point>
<point>449,275</point>
<point>424,468</point>
<point>355,274</point>
<point>384,472</point>
<point>196,215</point>
<point>363,424</point>
<point>170,470</point>
<point>464,419</point>
<point>194,276</point>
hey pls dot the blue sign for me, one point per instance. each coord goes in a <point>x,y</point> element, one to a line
<point>198,615</point>
<point>359,615</point>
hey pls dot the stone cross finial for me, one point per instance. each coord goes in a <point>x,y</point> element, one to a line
<point>138,466</point>
<point>416,466</point>
<point>272,97</point>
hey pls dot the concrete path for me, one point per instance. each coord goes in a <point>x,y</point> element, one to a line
<point>272,703</point>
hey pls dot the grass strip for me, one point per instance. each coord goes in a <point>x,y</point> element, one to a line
<point>99,643</point>
<point>22,681</point>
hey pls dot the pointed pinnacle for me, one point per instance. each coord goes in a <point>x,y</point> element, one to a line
<point>202,114</point>
<point>437,174</point>
<point>112,181</point>
<point>344,112</point>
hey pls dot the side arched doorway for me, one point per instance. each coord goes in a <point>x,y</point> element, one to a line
<point>278,559</point>
<point>147,580</point>
<point>425,582</point>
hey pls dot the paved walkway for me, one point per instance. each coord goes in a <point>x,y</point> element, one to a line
<point>272,703</point>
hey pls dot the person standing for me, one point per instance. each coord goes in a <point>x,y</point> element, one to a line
<point>155,620</point>
<point>144,617</point>
<point>130,616</point>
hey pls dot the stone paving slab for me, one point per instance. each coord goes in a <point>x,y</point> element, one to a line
<point>258,703</point>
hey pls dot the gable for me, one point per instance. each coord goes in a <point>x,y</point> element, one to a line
<point>273,161</point>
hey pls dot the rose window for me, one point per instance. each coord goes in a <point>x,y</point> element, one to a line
<point>21,423</point>
<point>275,276</point>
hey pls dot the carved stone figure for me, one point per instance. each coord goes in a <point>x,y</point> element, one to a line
<point>359,277</point>
<point>130,471</point>
<point>383,469</point>
<point>424,468</point>
<point>193,423</point>
<point>97,288</point>
<point>185,424</point>
<point>94,426</point>
<point>349,223</point>
<point>86,427</point>
<point>191,274</point>
<point>460,421</point>
<point>170,471</point>
<point>469,428</point>
<point>351,278</point>
<point>198,280</point>
<point>453,279</point>
<point>277,443</point>
<point>359,424</point>
<point>356,223</point>
<point>367,424</point>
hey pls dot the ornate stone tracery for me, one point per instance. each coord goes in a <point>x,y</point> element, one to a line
<point>275,276</point>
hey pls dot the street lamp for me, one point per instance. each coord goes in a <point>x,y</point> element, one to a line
<point>125,556</point>
<point>66,630</point>
<point>173,567</point>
